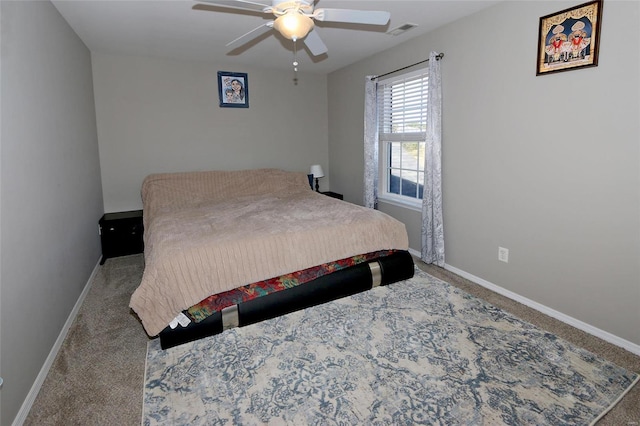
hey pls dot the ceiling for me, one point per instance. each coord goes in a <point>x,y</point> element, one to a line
<point>175,29</point>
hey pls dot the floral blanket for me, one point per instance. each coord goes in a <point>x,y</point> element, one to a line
<point>218,302</point>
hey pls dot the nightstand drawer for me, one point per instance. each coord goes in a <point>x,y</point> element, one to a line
<point>121,234</point>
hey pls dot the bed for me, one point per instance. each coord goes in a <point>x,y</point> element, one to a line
<point>230,248</point>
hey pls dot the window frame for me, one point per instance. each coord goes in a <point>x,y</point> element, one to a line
<point>384,142</point>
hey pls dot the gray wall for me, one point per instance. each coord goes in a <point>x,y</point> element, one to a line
<point>156,115</point>
<point>547,166</point>
<point>50,188</point>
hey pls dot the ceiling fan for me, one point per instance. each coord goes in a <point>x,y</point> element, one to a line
<point>295,20</point>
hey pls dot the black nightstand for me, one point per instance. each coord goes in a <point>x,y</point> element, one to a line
<point>121,234</point>
<point>333,194</point>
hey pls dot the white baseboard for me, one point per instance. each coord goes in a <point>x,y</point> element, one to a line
<point>37,384</point>
<point>604,335</point>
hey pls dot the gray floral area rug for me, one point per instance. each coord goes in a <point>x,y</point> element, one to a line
<point>416,352</point>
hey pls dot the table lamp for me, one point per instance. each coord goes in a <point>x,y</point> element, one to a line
<point>316,171</point>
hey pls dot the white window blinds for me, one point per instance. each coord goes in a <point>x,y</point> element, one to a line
<point>402,107</point>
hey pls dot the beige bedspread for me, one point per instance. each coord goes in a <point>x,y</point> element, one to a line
<point>209,232</point>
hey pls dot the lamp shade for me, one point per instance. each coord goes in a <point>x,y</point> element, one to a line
<point>293,25</point>
<point>316,171</point>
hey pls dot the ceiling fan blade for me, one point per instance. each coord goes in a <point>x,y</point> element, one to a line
<point>370,17</point>
<point>256,32</point>
<point>238,4</point>
<point>315,44</point>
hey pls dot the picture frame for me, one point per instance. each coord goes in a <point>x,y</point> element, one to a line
<point>233,89</point>
<point>569,39</point>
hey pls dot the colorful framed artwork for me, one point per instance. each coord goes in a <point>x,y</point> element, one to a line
<point>233,89</point>
<point>569,39</point>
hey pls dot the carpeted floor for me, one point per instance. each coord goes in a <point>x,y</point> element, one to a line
<point>98,375</point>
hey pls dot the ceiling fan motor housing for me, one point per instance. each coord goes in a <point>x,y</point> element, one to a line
<point>281,7</point>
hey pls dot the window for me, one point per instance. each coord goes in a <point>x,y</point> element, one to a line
<point>402,117</point>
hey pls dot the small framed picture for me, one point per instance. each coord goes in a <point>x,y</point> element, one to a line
<point>233,89</point>
<point>569,39</point>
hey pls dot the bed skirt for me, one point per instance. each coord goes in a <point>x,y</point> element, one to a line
<point>396,267</point>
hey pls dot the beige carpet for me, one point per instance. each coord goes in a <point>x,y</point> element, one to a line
<point>97,378</point>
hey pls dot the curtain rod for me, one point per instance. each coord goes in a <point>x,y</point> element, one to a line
<point>438,57</point>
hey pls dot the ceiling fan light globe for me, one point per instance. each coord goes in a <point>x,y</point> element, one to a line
<point>293,25</point>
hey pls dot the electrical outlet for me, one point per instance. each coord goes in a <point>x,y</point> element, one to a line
<point>503,254</point>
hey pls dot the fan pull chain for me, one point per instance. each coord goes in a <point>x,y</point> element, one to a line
<point>295,63</point>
